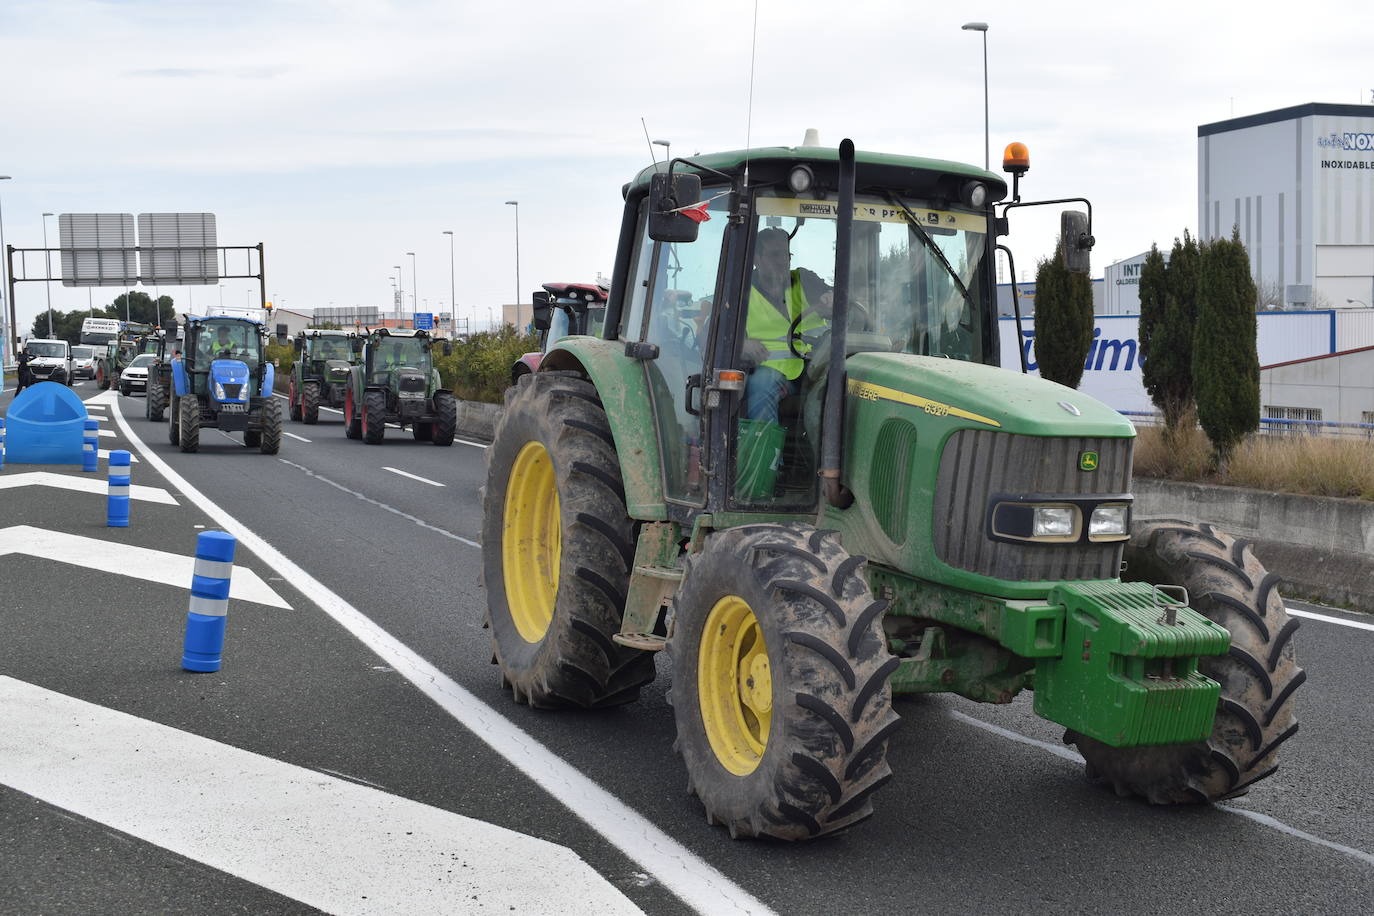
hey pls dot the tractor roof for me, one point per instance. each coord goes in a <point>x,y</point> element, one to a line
<point>770,163</point>
<point>327,332</point>
<point>401,332</point>
<point>588,291</point>
<point>198,319</point>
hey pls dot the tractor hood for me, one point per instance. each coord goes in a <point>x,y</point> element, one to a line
<point>229,380</point>
<point>336,370</point>
<point>988,397</point>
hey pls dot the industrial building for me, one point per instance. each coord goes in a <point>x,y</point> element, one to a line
<point>1299,184</point>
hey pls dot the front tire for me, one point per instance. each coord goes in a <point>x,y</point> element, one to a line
<point>310,404</point>
<point>189,424</point>
<point>293,398</point>
<point>559,550</point>
<point>446,418</point>
<point>1258,675</point>
<point>780,683</point>
<point>374,417</point>
<point>157,402</point>
<point>269,439</point>
<point>174,421</point>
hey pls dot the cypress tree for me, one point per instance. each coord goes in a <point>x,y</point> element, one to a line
<point>1225,360</point>
<point>1063,320</point>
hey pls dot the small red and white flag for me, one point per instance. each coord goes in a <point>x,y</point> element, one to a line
<point>696,212</point>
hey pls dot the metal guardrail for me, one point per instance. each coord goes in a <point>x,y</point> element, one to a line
<point>1272,425</point>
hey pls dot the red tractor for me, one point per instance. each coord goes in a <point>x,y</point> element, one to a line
<point>562,310</point>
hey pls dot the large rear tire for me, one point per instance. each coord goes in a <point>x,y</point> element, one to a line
<point>269,439</point>
<point>189,424</point>
<point>374,417</point>
<point>353,425</point>
<point>1258,675</point>
<point>293,398</point>
<point>174,421</point>
<point>558,549</point>
<point>310,403</point>
<point>780,683</point>
<point>445,419</point>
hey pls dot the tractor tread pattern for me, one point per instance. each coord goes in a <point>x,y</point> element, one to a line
<point>1258,674</point>
<point>832,715</point>
<point>310,404</point>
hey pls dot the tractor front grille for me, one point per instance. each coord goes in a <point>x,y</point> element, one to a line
<point>232,390</point>
<point>978,464</point>
<point>412,381</point>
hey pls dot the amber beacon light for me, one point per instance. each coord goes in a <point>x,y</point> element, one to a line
<point>1016,159</point>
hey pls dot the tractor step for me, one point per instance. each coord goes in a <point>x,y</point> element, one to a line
<point>646,641</point>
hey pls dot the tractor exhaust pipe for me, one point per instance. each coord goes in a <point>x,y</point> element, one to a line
<point>832,415</point>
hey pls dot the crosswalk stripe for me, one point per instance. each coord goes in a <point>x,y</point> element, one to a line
<point>326,842</point>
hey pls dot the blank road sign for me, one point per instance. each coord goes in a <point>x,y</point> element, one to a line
<point>98,249</point>
<point>178,249</point>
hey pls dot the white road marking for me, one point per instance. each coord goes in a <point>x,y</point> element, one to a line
<point>294,436</point>
<point>129,560</point>
<point>104,397</point>
<point>258,819</point>
<point>90,406</point>
<point>107,433</point>
<point>699,884</point>
<point>379,504</point>
<point>473,444</point>
<point>1073,756</point>
<point>1355,624</point>
<point>88,484</point>
<point>432,483</point>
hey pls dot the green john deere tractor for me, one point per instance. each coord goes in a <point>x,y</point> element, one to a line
<point>320,373</point>
<point>395,381</point>
<point>792,461</point>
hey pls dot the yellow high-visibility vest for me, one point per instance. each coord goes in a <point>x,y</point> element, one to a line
<point>770,327</point>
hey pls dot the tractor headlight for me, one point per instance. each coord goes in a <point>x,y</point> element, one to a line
<point>1053,522</point>
<point>1109,523</point>
<point>219,392</point>
<point>800,179</point>
<point>975,194</point>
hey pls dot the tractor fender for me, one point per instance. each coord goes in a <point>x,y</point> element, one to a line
<point>624,393</point>
<point>269,376</point>
<point>179,378</point>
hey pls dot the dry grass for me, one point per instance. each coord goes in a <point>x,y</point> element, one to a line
<point>1315,465</point>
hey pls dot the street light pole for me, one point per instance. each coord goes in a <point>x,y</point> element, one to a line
<point>983,27</point>
<point>47,271</point>
<point>400,302</point>
<point>6,326</point>
<point>1357,301</point>
<point>452,287</point>
<point>516,205</point>
<point>414,288</point>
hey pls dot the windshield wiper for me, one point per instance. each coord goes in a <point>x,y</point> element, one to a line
<point>935,249</point>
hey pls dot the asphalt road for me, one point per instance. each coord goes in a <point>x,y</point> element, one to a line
<point>987,812</point>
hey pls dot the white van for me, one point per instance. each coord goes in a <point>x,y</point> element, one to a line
<point>50,360</point>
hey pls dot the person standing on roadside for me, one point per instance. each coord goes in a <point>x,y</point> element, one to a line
<point>25,375</point>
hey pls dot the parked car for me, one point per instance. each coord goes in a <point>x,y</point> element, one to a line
<point>49,360</point>
<point>135,375</point>
<point>83,362</point>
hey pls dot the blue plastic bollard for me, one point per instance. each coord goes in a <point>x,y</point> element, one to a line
<point>209,606</point>
<point>117,505</point>
<point>90,451</point>
<point>2,442</point>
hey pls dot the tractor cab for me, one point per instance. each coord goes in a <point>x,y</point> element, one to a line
<point>396,382</point>
<point>561,310</point>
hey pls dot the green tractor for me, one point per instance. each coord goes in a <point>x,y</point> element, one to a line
<point>132,340</point>
<point>160,372</point>
<point>395,381</point>
<point>320,374</point>
<point>792,461</point>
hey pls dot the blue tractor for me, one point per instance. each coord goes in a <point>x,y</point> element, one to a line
<point>220,380</point>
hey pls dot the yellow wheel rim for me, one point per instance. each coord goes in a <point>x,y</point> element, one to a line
<point>735,685</point>
<point>531,542</point>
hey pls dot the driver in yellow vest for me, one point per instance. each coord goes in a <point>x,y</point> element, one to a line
<point>777,298</point>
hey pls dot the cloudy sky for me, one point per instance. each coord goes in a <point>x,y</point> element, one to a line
<point>344,133</point>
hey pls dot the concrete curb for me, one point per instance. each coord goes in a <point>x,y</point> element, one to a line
<point>1323,547</point>
<point>477,419</point>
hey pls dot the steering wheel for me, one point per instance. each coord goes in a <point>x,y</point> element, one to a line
<point>859,319</point>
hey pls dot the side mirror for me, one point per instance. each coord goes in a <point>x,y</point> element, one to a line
<point>448,347</point>
<point>543,310</point>
<point>170,327</point>
<point>282,333</point>
<point>1075,241</point>
<point>357,345</point>
<point>298,345</point>
<point>666,194</point>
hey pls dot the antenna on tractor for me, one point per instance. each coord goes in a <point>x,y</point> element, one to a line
<point>652,158</point>
<point>749,118</point>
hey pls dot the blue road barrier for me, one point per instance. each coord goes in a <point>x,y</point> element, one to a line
<point>117,505</point>
<point>203,647</point>
<point>45,425</point>
<point>2,442</point>
<point>90,446</point>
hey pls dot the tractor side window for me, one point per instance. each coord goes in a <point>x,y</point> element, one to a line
<point>637,293</point>
<point>682,294</point>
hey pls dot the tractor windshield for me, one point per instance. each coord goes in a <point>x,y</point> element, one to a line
<point>228,339</point>
<point>401,353</point>
<point>329,348</point>
<point>911,290</point>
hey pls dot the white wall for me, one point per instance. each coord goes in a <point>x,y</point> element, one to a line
<point>1341,386</point>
